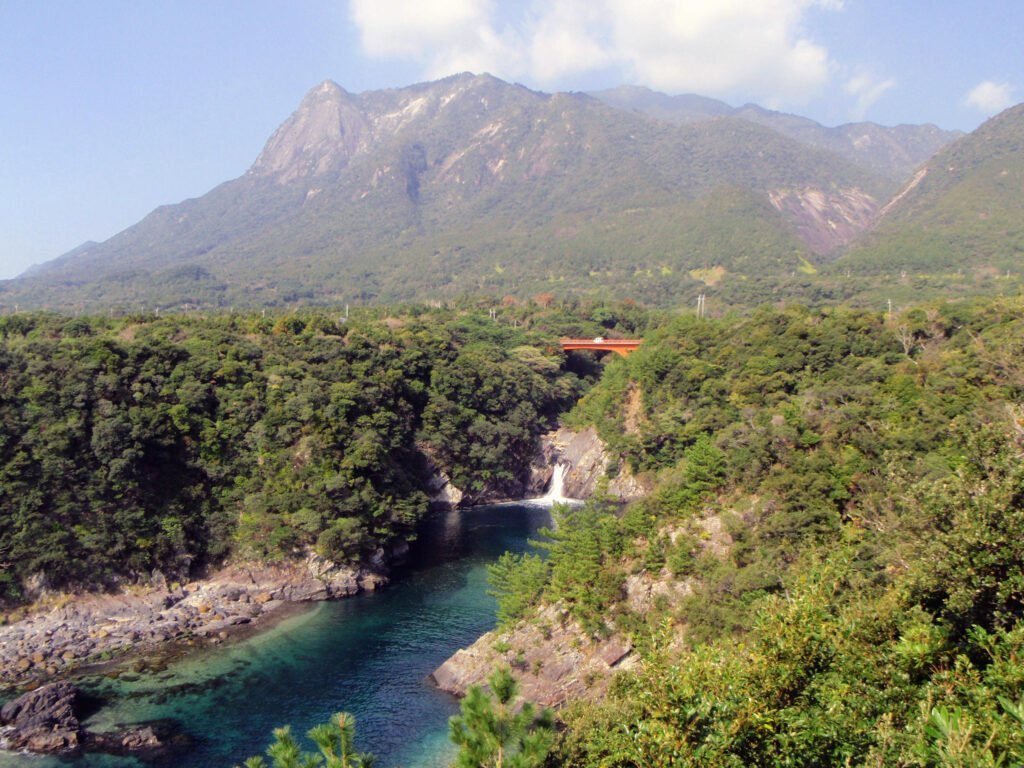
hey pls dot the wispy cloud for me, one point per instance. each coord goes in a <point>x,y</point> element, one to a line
<point>714,47</point>
<point>990,97</point>
<point>866,89</point>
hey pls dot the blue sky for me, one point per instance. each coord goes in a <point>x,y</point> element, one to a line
<point>110,108</point>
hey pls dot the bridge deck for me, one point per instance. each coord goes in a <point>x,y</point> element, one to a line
<point>619,346</point>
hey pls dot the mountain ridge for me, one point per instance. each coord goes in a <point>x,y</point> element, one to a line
<point>894,151</point>
<point>964,209</point>
<point>473,185</point>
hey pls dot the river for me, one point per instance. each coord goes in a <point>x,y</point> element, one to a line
<point>369,655</point>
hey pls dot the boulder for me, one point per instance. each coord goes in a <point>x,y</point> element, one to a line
<point>46,721</point>
<point>43,720</point>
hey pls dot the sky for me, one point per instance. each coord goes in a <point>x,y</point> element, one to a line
<point>110,108</point>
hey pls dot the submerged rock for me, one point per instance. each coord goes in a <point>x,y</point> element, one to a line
<point>146,741</point>
<point>47,721</point>
<point>43,720</point>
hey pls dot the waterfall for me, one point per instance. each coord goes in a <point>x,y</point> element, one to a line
<point>557,486</point>
<point>556,489</point>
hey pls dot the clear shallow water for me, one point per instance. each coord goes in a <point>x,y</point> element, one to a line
<point>369,655</point>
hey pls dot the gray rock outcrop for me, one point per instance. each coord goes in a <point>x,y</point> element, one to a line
<point>43,720</point>
<point>78,630</point>
<point>46,721</point>
<point>552,658</point>
<point>589,461</point>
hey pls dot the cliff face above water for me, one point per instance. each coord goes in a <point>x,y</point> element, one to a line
<point>584,456</point>
<point>553,658</point>
<point>588,460</point>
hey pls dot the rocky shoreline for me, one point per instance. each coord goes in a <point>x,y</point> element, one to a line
<point>75,633</point>
<point>68,635</point>
<point>553,659</point>
<point>48,720</point>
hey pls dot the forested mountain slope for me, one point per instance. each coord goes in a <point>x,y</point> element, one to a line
<point>962,211</point>
<point>895,152</point>
<point>472,185</point>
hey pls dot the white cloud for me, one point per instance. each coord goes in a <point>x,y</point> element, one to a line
<point>566,37</point>
<point>866,90</point>
<point>990,97</point>
<point>720,46</point>
<point>413,28</point>
<point>715,47</point>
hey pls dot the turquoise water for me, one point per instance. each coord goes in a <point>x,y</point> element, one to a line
<point>369,655</point>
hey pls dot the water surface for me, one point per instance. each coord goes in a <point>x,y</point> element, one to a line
<point>369,655</point>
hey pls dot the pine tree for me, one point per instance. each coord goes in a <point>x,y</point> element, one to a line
<point>492,734</point>
<point>335,741</point>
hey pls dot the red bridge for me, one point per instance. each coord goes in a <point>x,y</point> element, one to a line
<point>619,346</point>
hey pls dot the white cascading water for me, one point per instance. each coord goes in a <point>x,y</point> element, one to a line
<point>557,486</point>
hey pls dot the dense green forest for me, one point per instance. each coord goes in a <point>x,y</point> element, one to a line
<point>865,606</point>
<point>146,443</point>
<point>841,491</point>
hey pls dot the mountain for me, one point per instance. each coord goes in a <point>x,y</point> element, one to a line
<point>961,212</point>
<point>473,185</point>
<point>894,152</point>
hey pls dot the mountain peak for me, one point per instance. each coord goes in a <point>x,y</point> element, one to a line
<point>320,137</point>
<point>328,86</point>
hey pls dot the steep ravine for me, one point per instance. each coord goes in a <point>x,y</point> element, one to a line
<point>66,633</point>
<point>554,660</point>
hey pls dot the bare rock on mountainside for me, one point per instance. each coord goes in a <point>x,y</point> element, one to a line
<point>827,219</point>
<point>464,184</point>
<point>322,136</point>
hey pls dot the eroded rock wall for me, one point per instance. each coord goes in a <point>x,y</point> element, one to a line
<point>589,460</point>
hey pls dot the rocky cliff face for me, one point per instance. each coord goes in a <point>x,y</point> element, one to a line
<point>589,460</point>
<point>827,219</point>
<point>321,137</point>
<point>553,659</point>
